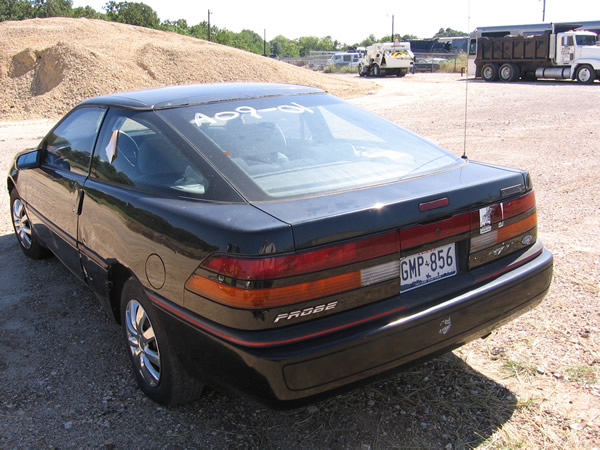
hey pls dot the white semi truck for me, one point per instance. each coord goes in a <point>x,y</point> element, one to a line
<point>559,53</point>
<point>387,58</point>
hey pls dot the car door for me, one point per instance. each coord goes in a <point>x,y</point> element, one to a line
<point>54,190</point>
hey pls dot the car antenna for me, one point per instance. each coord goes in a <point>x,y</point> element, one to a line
<point>464,155</point>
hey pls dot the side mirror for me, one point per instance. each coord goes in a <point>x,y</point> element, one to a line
<point>29,160</point>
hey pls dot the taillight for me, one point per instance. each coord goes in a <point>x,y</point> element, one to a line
<point>278,280</point>
<point>502,228</point>
<point>272,281</point>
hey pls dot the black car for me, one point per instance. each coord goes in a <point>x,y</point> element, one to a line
<point>275,239</point>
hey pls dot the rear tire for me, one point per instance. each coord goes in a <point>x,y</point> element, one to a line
<point>28,241</point>
<point>585,74</point>
<point>489,72</point>
<point>158,370</point>
<point>508,72</point>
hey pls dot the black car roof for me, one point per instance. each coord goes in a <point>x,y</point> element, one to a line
<point>194,94</point>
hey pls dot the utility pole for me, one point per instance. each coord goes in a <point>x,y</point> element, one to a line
<point>209,25</point>
<point>265,42</point>
<point>544,12</point>
<point>393,28</point>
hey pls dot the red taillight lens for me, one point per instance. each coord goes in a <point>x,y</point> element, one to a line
<point>270,268</point>
<point>240,281</point>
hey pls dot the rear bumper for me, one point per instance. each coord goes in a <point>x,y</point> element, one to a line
<point>301,370</point>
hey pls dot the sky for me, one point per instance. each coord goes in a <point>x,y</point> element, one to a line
<point>353,21</point>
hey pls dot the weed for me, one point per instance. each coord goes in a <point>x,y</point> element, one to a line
<point>583,374</point>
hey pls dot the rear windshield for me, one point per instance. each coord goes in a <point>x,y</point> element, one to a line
<point>284,147</point>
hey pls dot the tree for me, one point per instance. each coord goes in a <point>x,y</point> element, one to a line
<point>405,37</point>
<point>282,47</point>
<point>449,32</point>
<point>15,10</point>
<point>368,41</point>
<point>245,40</point>
<point>308,44</point>
<point>86,11</point>
<point>178,26</point>
<point>132,13</point>
<point>52,8</point>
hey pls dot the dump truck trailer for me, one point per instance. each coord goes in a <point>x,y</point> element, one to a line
<point>557,53</point>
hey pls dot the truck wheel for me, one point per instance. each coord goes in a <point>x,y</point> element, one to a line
<point>585,74</point>
<point>376,70</point>
<point>490,72</point>
<point>509,72</point>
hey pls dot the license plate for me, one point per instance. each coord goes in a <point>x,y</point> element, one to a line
<point>427,267</point>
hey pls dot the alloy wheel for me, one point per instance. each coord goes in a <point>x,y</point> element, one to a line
<point>143,343</point>
<point>21,223</point>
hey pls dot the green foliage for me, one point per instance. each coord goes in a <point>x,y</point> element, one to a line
<point>177,26</point>
<point>307,44</point>
<point>332,68</point>
<point>282,47</point>
<point>246,40</point>
<point>15,10</point>
<point>132,13</point>
<point>449,32</point>
<point>368,41</point>
<point>86,11</point>
<point>52,8</point>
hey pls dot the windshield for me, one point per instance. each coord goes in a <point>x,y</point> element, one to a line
<point>586,39</point>
<point>283,147</point>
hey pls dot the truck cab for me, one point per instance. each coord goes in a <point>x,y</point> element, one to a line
<point>576,46</point>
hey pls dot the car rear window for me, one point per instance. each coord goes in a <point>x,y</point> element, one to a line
<point>284,147</point>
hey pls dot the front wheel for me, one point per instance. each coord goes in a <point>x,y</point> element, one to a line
<point>376,70</point>
<point>28,241</point>
<point>158,371</point>
<point>585,74</point>
<point>362,71</point>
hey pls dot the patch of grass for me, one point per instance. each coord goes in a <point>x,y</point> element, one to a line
<point>454,65</point>
<point>518,368</point>
<point>332,68</point>
<point>583,374</point>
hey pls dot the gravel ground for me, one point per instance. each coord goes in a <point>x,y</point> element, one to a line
<point>65,379</point>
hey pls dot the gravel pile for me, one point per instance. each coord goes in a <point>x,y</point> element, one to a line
<point>49,65</point>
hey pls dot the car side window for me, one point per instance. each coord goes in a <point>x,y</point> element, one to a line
<point>132,151</point>
<point>69,146</point>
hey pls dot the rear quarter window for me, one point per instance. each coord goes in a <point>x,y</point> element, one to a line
<point>134,150</point>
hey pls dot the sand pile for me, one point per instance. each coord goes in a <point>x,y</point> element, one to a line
<point>49,65</point>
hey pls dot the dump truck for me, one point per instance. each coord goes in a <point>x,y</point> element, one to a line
<point>558,53</point>
<point>386,58</point>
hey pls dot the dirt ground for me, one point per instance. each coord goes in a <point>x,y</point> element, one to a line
<point>65,379</point>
